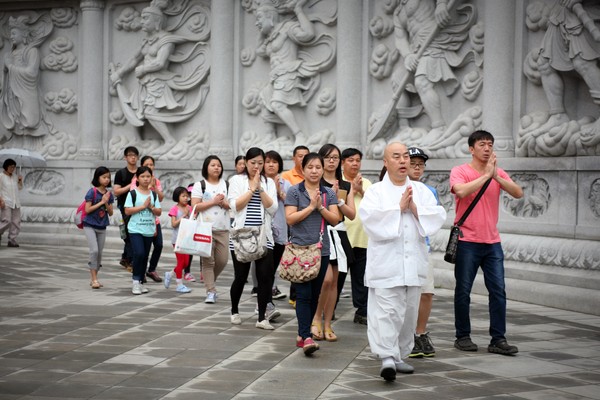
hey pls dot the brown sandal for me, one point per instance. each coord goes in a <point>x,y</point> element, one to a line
<point>316,330</point>
<point>95,285</point>
<point>330,335</point>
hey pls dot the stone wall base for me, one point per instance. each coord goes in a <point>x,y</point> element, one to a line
<point>564,288</point>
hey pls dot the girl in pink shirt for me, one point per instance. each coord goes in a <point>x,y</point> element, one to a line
<point>178,212</point>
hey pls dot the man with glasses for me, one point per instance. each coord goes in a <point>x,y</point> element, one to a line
<point>423,345</point>
<point>122,186</point>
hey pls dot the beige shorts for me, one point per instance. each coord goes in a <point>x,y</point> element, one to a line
<point>428,285</point>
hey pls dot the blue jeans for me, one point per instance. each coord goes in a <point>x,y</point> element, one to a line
<point>157,243</point>
<point>307,299</point>
<point>490,257</point>
<point>140,245</point>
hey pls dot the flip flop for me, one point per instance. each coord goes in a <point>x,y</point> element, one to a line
<point>317,332</point>
<point>330,335</point>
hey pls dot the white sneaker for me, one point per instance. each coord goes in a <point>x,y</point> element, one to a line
<point>404,368</point>
<point>264,324</point>
<point>236,319</point>
<point>388,369</point>
<point>272,313</point>
<point>144,289</point>
<point>183,289</point>
<point>211,298</point>
<point>136,288</point>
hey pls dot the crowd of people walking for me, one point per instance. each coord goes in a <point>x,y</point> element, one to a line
<point>377,232</point>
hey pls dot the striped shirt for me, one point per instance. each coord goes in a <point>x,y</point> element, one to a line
<point>254,216</point>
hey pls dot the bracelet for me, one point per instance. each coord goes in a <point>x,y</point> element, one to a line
<point>321,208</point>
<point>341,202</point>
<point>261,190</point>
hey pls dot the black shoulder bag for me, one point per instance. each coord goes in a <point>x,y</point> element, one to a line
<point>451,248</point>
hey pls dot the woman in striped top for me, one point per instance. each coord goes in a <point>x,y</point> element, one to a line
<point>253,198</point>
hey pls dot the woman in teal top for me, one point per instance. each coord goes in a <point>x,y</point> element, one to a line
<point>142,206</point>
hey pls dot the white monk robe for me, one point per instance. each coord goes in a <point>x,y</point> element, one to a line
<point>396,262</point>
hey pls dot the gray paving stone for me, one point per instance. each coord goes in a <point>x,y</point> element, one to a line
<point>64,340</point>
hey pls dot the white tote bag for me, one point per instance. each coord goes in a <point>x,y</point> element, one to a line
<point>194,236</point>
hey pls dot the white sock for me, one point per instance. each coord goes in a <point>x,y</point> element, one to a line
<point>179,281</point>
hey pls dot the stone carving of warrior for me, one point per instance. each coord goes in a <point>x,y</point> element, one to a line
<point>21,112</point>
<point>571,43</point>
<point>414,22</point>
<point>160,96</point>
<point>293,78</point>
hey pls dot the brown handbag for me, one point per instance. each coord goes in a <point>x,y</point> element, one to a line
<point>301,263</point>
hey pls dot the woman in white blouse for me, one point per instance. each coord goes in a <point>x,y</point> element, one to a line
<point>253,198</point>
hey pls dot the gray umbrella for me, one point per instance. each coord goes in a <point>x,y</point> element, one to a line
<point>23,158</point>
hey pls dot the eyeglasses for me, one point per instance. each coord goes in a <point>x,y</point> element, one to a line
<point>331,158</point>
<point>417,165</point>
<point>131,155</point>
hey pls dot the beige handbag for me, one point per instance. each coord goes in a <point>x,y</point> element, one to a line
<point>249,243</point>
<point>301,263</point>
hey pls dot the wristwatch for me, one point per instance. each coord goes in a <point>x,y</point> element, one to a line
<point>321,208</point>
<point>341,202</point>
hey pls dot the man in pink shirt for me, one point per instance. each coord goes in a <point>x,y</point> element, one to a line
<point>480,244</point>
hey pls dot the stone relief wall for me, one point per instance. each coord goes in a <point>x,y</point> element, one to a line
<point>34,52</point>
<point>421,81</point>
<point>165,82</point>
<point>564,49</point>
<point>289,50</point>
<point>426,58</point>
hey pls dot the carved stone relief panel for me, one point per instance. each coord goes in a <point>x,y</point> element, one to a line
<point>282,75</point>
<point>560,112</point>
<point>589,200</point>
<point>171,180</point>
<point>158,95</point>
<point>594,197</point>
<point>426,76</point>
<point>441,183</point>
<point>39,56</point>
<point>536,196</point>
<point>44,182</point>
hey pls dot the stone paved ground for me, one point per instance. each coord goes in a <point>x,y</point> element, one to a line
<point>59,339</point>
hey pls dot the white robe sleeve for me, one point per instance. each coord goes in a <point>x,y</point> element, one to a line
<point>431,215</point>
<point>380,221</point>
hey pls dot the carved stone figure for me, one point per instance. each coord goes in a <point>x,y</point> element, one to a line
<point>169,83</point>
<point>431,45</point>
<point>294,75</point>
<point>414,20</point>
<point>571,43</point>
<point>20,108</point>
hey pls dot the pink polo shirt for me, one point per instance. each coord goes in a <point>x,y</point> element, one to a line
<point>481,225</point>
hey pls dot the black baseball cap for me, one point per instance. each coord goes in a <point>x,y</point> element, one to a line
<point>417,152</point>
